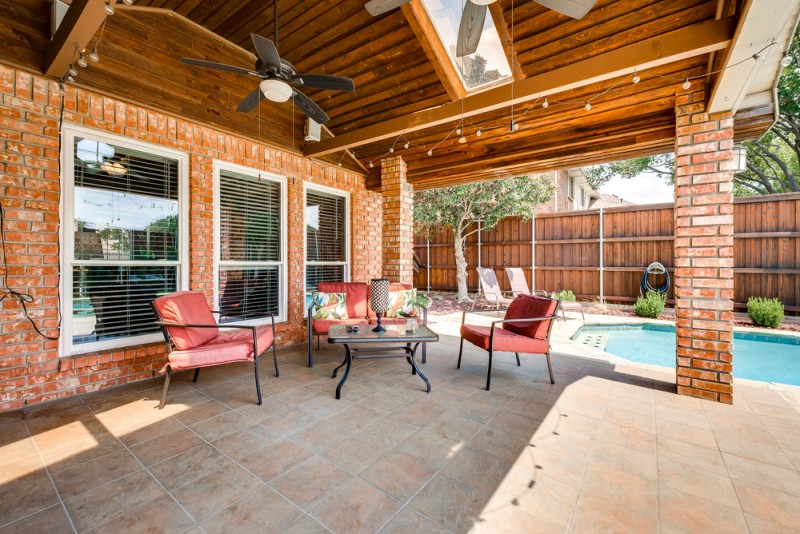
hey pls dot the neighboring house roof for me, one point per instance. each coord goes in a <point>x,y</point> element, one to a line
<point>609,201</point>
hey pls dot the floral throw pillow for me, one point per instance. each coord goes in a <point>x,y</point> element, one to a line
<point>330,306</point>
<point>402,304</point>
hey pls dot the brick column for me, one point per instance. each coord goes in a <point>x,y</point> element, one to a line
<point>703,247</point>
<point>398,221</point>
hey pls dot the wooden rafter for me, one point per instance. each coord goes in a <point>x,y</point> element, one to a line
<point>81,22</point>
<point>506,40</point>
<point>422,25</point>
<point>686,42</point>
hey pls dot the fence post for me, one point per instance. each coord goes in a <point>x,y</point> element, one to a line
<point>533,251</point>
<point>429,264</point>
<point>602,295</point>
<point>479,244</point>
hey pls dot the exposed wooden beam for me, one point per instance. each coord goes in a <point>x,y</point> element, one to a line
<point>687,42</point>
<point>421,24</point>
<point>80,23</point>
<point>496,11</point>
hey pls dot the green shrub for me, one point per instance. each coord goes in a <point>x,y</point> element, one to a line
<point>564,294</point>
<point>651,305</point>
<point>765,312</point>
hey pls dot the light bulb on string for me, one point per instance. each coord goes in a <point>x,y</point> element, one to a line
<point>478,133</point>
<point>686,84</point>
<point>786,60</point>
<point>458,131</point>
<point>635,78</point>
<point>545,103</point>
<point>72,70</point>
<point>406,145</point>
<point>462,139</point>
<point>371,165</point>
<point>82,60</point>
<point>588,106</point>
<point>430,152</point>
<point>94,57</point>
<point>391,150</point>
<point>109,8</point>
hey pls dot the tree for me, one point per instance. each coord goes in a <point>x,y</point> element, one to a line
<point>461,207</point>
<point>773,162</point>
<point>473,69</point>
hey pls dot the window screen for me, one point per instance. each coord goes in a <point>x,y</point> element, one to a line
<point>326,239</point>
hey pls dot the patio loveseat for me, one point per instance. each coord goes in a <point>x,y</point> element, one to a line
<point>327,309</point>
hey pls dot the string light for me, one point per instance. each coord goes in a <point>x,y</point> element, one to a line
<point>478,133</point>
<point>786,60</point>
<point>635,78</point>
<point>588,106</point>
<point>82,60</point>
<point>686,84</point>
<point>94,57</point>
<point>72,70</point>
<point>462,139</point>
<point>545,103</point>
<point>406,145</point>
<point>430,152</point>
<point>109,8</point>
<point>371,165</point>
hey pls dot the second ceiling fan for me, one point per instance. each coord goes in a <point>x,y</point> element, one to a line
<point>474,15</point>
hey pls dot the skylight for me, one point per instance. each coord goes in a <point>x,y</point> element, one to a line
<point>474,71</point>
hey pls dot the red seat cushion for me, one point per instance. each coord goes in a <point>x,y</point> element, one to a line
<point>187,307</point>
<point>321,326</point>
<point>503,340</point>
<point>228,347</point>
<point>528,307</point>
<point>355,296</point>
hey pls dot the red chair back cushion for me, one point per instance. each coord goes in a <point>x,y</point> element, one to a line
<point>355,296</point>
<point>527,307</point>
<point>186,307</point>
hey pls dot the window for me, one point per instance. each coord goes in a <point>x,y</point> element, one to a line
<point>124,229</point>
<point>250,244</point>
<point>327,229</point>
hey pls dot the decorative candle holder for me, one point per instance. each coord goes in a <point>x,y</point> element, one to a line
<point>379,300</point>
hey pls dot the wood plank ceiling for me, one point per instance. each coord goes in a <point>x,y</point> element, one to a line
<point>395,77</point>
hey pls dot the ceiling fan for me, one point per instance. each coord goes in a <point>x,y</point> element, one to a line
<point>279,78</point>
<point>474,14</point>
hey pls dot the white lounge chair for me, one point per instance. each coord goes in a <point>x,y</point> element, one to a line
<point>490,289</point>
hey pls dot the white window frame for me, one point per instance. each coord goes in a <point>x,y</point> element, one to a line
<point>283,283</point>
<point>66,347</point>
<point>346,263</point>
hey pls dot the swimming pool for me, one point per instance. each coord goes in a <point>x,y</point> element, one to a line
<point>765,357</point>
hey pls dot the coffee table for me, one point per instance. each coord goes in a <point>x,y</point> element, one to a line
<point>395,342</point>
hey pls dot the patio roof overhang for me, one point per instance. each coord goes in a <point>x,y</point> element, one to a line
<point>405,88</point>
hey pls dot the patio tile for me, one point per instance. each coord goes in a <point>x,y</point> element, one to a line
<point>683,417</point>
<point>357,508</point>
<point>761,474</point>
<point>320,435</point>
<point>630,490</point>
<point>245,441</point>
<point>680,509</point>
<point>501,516</point>
<point>410,521</point>
<point>450,503</point>
<point>20,470</point>
<point>695,456</point>
<point>390,431</point>
<point>689,434</point>
<point>188,466</point>
<point>539,495</point>
<point>620,457</point>
<point>355,417</point>
<point>759,525</point>
<point>769,504</point>
<point>199,412</point>
<point>264,510</point>
<point>624,435</point>
<point>103,503</point>
<point>311,481</point>
<point>635,420</point>
<point>703,484</point>
<point>455,427</point>
<point>52,520</point>
<point>88,475</point>
<point>306,525</point>
<point>285,421</point>
<point>324,407</point>
<point>431,448</point>
<point>478,469</point>
<point>355,453</point>
<point>132,436</point>
<point>762,452</point>
<point>299,395</point>
<point>24,499</point>
<point>166,446</point>
<point>162,511</point>
<point>399,475</point>
<point>275,459</point>
<point>221,425</point>
<point>216,490</point>
<point>596,514</point>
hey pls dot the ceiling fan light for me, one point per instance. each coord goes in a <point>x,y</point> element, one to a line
<point>482,2</point>
<point>276,90</point>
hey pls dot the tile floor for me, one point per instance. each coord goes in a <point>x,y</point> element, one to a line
<point>607,448</point>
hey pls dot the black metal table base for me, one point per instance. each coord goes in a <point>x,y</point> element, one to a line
<point>378,352</point>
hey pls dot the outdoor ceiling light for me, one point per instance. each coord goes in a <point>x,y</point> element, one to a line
<point>482,2</point>
<point>739,159</point>
<point>72,70</point>
<point>94,57</point>
<point>686,84</point>
<point>82,60</point>
<point>276,90</point>
<point>109,8</point>
<point>545,103</point>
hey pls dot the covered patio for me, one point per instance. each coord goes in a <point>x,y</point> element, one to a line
<point>135,176</point>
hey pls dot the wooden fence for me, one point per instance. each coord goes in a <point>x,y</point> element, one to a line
<point>568,248</point>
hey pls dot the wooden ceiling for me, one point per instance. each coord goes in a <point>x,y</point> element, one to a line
<point>404,91</point>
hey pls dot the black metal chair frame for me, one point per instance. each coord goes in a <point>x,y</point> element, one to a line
<point>256,352</point>
<point>515,321</point>
<point>312,335</point>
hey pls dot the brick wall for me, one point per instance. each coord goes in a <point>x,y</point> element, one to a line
<point>559,202</point>
<point>703,248</point>
<point>398,221</point>
<point>30,370</point>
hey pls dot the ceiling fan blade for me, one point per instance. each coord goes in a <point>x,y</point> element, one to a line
<point>266,51</point>
<point>218,66</point>
<point>324,81</point>
<point>307,106</point>
<point>470,29</point>
<point>575,9</point>
<point>379,7</point>
<point>250,102</point>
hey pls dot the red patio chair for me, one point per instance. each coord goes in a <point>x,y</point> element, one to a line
<point>526,328</point>
<point>194,339</point>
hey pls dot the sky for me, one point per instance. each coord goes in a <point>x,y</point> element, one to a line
<point>644,189</point>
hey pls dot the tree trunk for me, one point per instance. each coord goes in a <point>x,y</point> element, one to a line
<point>461,266</point>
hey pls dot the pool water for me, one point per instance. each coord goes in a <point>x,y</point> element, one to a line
<point>765,357</point>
